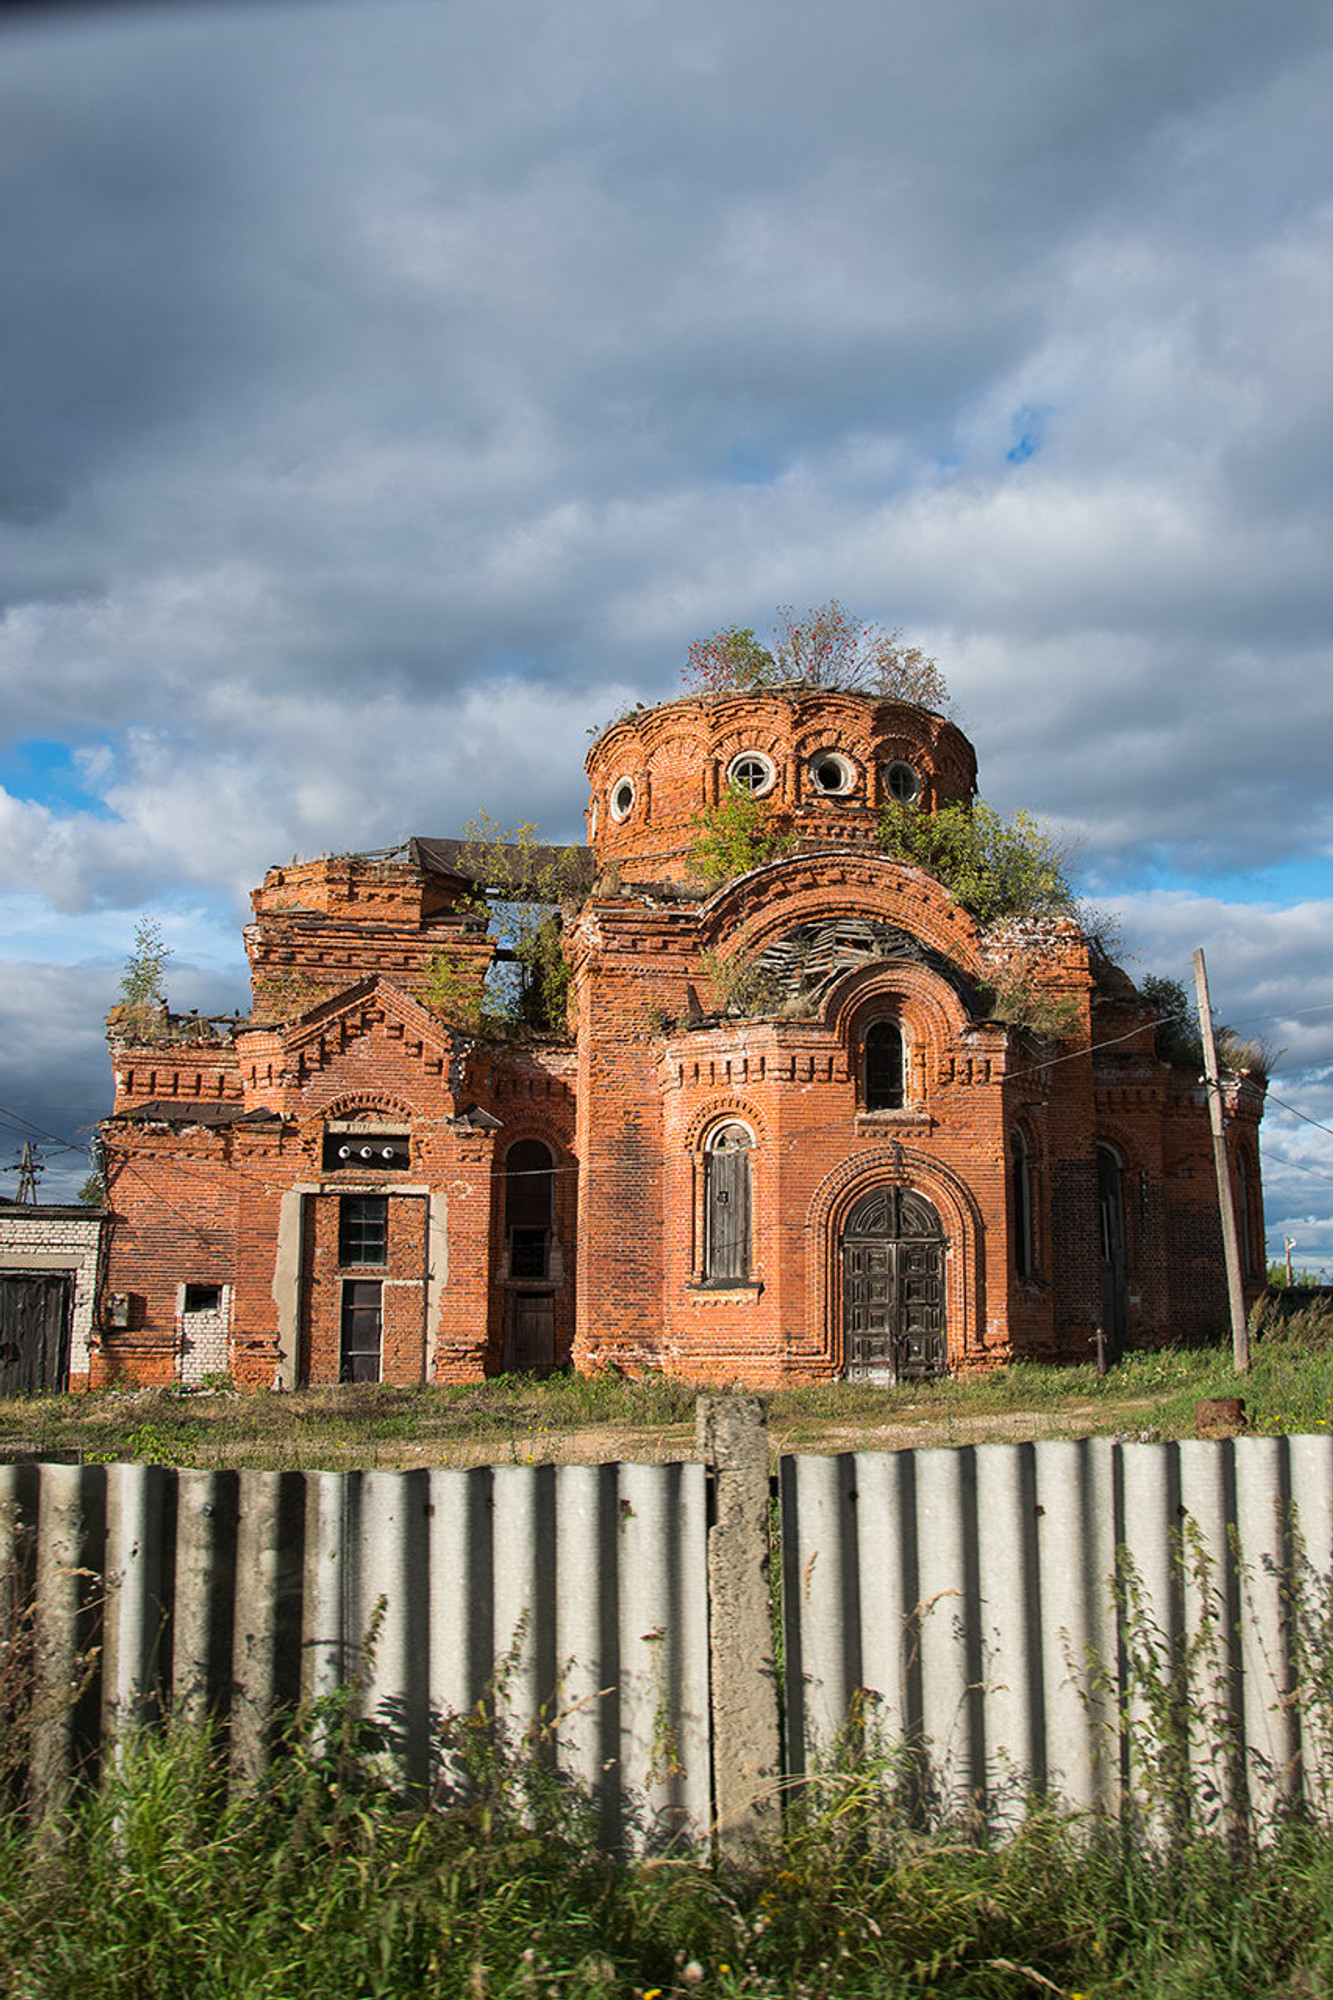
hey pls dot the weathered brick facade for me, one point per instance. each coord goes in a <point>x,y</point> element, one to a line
<point>850,1166</point>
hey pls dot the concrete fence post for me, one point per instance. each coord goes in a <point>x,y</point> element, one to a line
<point>732,1439</point>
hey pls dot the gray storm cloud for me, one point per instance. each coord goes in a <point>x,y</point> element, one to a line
<point>388,393</point>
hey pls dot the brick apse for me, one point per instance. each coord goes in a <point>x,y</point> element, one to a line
<point>844,1162</point>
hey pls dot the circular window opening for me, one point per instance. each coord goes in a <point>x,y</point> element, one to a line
<point>751,772</point>
<point>831,773</point>
<point>903,782</point>
<point>622,799</point>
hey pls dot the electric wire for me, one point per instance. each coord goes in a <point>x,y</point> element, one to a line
<point>28,1127</point>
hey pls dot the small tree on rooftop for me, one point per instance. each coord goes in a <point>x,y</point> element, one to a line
<point>141,979</point>
<point>824,647</point>
<point>522,884</point>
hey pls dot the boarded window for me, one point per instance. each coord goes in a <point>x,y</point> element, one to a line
<point>727,1203</point>
<point>363,1229</point>
<point>528,1172</point>
<point>884,1067</point>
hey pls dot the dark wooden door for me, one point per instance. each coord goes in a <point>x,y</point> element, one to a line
<point>893,1288</point>
<point>532,1333</point>
<point>34,1331</point>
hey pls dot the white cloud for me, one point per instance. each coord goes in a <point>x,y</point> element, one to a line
<point>392,390</point>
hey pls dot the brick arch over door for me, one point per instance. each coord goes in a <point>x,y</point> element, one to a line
<point>364,1104</point>
<point>963,1238</point>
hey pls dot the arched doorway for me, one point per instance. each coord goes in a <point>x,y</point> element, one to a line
<point>1111,1216</point>
<point>892,1253</point>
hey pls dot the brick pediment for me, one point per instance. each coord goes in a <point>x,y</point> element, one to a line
<point>375,1006</point>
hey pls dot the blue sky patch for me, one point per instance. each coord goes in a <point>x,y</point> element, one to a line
<point>46,773</point>
<point>1028,427</point>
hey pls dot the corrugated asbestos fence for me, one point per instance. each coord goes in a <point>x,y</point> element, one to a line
<point>1067,1615</point>
<point>570,1593</point>
<point>961,1601</point>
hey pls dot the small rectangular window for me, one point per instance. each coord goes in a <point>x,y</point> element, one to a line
<point>363,1229</point>
<point>884,1067</point>
<point>203,1299</point>
<point>527,1253</point>
<point>366,1152</point>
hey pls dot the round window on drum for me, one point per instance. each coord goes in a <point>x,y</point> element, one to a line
<point>622,798</point>
<point>752,772</point>
<point>831,774</point>
<point>902,781</point>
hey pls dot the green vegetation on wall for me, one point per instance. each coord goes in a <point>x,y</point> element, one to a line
<point>523,884</point>
<point>995,868</point>
<point>739,833</point>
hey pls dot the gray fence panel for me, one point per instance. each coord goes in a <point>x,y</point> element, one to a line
<point>970,1595</point>
<point>463,1640</point>
<point>1074,1543</point>
<point>574,1597</point>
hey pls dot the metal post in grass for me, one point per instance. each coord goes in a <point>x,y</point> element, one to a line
<point>1240,1336</point>
<point>732,1439</point>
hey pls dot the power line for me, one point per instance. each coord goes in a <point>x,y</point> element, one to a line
<point>22,1125</point>
<point>1303,1116</point>
<point>1183,1018</point>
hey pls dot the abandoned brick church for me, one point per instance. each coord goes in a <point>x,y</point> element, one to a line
<point>788,1129</point>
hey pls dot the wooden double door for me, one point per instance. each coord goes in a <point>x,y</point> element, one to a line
<point>892,1253</point>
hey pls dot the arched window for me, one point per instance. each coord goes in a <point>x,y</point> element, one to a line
<point>528,1190</point>
<point>727,1203</point>
<point>883,1067</point>
<point>1020,1203</point>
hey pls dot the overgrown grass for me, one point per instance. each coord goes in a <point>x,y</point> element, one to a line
<point>520,1419</point>
<point>324,1880</point>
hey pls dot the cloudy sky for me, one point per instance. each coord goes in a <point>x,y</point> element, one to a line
<point>390,391</point>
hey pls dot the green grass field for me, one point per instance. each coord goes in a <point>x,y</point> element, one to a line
<point>322,1882</point>
<point>518,1419</point>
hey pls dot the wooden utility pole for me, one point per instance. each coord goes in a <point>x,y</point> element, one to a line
<point>1240,1333</point>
